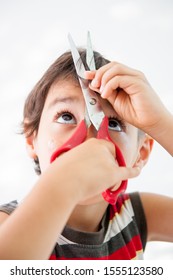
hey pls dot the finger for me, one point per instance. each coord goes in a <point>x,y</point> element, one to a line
<point>117,69</point>
<point>111,147</point>
<point>111,69</point>
<point>129,84</point>
<point>125,173</point>
<point>94,88</point>
<point>96,82</point>
<point>89,75</point>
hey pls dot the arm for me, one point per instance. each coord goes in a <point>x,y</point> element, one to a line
<point>32,230</point>
<point>158,211</point>
<point>134,100</point>
<point>3,217</point>
<point>164,136</point>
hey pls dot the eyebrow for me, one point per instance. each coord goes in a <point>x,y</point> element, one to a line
<point>63,99</point>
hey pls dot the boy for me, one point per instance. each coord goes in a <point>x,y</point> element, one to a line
<point>65,216</point>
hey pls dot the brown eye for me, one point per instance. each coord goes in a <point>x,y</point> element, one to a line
<point>66,118</point>
<point>115,125</point>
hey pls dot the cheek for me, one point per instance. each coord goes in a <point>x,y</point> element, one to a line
<point>128,146</point>
<point>45,149</point>
<point>47,143</point>
<point>129,152</point>
<point>51,145</point>
<point>42,147</point>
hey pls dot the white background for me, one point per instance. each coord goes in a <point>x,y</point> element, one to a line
<point>33,33</point>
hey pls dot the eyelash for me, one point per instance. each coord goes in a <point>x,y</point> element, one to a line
<point>63,111</point>
<point>119,121</point>
<point>111,117</point>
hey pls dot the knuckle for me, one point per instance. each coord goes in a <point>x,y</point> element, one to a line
<point>92,141</point>
<point>117,67</point>
<point>141,74</point>
<point>99,73</point>
<point>113,63</point>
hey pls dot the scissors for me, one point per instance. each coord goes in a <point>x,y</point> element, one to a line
<point>93,115</point>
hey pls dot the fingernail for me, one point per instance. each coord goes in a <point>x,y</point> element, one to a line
<point>95,83</point>
<point>101,89</point>
<point>86,74</point>
<point>103,94</point>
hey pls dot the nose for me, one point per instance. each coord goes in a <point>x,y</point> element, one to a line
<point>92,132</point>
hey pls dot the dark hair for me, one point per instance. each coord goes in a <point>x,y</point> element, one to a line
<point>62,69</point>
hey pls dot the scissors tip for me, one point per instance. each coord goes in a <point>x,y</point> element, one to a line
<point>69,35</point>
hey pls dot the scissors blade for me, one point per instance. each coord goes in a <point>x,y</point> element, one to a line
<point>90,54</point>
<point>94,110</point>
<point>80,69</point>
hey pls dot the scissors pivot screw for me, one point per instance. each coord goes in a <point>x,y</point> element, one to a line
<point>93,101</point>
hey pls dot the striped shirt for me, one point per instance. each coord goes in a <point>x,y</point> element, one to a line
<point>122,234</point>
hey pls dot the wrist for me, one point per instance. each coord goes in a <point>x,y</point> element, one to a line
<point>162,131</point>
<point>61,185</point>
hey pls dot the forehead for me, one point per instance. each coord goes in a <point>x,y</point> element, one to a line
<point>64,91</point>
<point>69,92</point>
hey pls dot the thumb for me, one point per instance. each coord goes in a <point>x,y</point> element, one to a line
<point>125,173</point>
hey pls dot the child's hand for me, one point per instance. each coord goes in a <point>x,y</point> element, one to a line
<point>91,168</point>
<point>130,94</point>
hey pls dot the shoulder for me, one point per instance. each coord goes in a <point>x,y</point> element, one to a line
<point>159,216</point>
<point>8,208</point>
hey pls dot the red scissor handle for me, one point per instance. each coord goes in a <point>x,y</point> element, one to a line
<point>79,137</point>
<point>111,196</point>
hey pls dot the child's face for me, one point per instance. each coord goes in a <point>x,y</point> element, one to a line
<point>63,110</point>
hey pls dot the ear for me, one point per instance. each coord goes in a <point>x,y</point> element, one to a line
<point>144,150</point>
<point>30,146</point>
